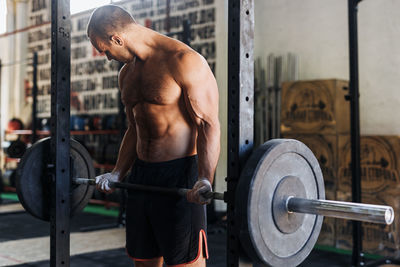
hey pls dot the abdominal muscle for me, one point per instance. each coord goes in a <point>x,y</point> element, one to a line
<point>164,132</point>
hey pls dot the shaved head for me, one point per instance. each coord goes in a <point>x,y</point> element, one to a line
<point>108,20</point>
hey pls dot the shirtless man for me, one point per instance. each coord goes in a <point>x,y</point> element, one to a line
<point>173,137</point>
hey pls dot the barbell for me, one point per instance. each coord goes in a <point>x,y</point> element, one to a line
<point>282,202</point>
<point>280,198</point>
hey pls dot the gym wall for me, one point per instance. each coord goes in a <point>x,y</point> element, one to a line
<point>317,31</point>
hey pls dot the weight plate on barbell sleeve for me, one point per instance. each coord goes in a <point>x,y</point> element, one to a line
<point>33,182</point>
<point>280,166</point>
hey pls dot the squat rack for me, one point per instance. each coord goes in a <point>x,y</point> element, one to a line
<point>240,121</point>
<point>60,135</point>
<point>240,110</point>
<point>241,107</point>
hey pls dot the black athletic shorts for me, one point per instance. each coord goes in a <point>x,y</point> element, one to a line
<point>160,225</point>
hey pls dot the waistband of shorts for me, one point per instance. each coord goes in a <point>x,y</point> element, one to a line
<point>174,162</point>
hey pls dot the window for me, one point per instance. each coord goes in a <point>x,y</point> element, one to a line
<point>77,6</point>
<point>3,17</point>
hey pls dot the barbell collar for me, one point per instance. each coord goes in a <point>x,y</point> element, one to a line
<point>146,188</point>
<point>345,210</point>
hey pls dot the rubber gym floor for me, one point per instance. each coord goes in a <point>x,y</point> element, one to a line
<point>96,240</point>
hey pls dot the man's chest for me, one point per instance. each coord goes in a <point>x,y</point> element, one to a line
<point>154,86</point>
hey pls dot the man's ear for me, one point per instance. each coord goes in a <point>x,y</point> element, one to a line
<point>117,40</point>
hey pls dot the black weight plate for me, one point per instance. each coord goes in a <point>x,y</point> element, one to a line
<point>267,167</point>
<point>33,183</point>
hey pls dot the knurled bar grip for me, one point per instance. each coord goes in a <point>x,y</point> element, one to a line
<point>339,209</point>
<point>146,188</point>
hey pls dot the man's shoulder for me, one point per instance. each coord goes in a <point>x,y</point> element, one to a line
<point>186,58</point>
<point>187,54</point>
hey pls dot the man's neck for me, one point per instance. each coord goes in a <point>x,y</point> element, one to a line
<point>142,42</point>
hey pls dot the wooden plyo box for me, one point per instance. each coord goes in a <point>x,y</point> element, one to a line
<point>380,184</point>
<point>316,106</point>
<point>380,164</point>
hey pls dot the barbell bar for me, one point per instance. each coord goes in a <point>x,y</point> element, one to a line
<point>338,209</point>
<point>343,210</point>
<point>279,202</point>
<point>146,188</point>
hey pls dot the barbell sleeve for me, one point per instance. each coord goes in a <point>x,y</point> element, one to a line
<point>146,188</point>
<point>339,209</point>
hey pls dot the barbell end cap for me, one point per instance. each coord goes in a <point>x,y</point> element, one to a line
<point>389,216</point>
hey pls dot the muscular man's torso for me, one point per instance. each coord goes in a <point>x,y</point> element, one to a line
<point>156,107</point>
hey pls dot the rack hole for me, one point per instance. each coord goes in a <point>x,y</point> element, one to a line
<point>247,55</point>
<point>247,98</point>
<point>247,12</point>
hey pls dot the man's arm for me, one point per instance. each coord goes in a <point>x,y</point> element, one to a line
<point>127,152</point>
<point>200,92</point>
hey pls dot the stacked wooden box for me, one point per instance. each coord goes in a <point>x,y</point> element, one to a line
<point>379,185</point>
<point>316,113</point>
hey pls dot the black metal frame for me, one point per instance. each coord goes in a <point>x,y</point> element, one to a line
<point>357,256</point>
<point>354,95</point>
<point>60,133</point>
<point>240,109</point>
<point>34,97</point>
